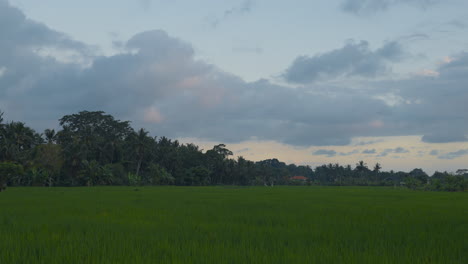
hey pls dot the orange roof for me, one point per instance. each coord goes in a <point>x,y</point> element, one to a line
<point>299,178</point>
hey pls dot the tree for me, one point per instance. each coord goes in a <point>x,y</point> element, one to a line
<point>216,158</point>
<point>140,141</point>
<point>90,173</point>
<point>90,136</point>
<point>17,142</point>
<point>361,166</point>
<point>413,183</point>
<point>90,132</point>
<point>49,135</point>
<point>48,158</point>
<point>420,175</point>
<point>198,175</point>
<point>8,170</point>
<point>222,151</point>
<point>377,167</point>
<point>157,175</point>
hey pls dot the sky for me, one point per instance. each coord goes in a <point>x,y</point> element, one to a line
<point>307,82</point>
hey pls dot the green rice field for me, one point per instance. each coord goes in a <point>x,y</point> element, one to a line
<point>232,225</point>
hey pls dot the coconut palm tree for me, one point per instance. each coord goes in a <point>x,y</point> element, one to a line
<point>50,135</point>
<point>141,147</point>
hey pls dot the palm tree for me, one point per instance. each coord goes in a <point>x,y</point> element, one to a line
<point>141,145</point>
<point>377,168</point>
<point>361,166</point>
<point>50,135</point>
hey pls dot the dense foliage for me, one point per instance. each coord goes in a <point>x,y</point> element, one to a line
<point>93,148</point>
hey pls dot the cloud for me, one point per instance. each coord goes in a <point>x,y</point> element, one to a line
<point>333,153</point>
<point>415,37</point>
<point>454,155</point>
<point>369,151</point>
<point>398,150</point>
<point>354,59</point>
<point>241,9</point>
<point>369,142</point>
<point>325,152</point>
<point>23,36</point>
<point>434,152</point>
<point>360,7</point>
<point>242,150</point>
<point>458,23</point>
<point>152,115</point>
<point>157,82</point>
<point>444,137</point>
<point>349,153</point>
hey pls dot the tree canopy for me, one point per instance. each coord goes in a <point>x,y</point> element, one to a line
<point>93,148</point>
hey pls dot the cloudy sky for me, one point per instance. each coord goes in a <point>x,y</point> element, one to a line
<point>308,82</point>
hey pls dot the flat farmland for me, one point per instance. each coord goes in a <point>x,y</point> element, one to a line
<point>232,225</point>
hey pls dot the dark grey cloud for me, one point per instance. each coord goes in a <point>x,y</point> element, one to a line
<point>354,59</point>
<point>434,152</point>
<point>325,152</point>
<point>444,137</point>
<point>369,151</point>
<point>398,150</point>
<point>366,7</point>
<point>454,155</point>
<point>20,34</point>
<point>157,82</point>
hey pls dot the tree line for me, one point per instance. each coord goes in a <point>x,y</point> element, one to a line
<point>93,148</point>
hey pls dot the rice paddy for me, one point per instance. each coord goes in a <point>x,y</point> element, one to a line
<point>232,225</point>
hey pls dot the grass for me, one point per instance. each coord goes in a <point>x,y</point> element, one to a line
<point>232,225</point>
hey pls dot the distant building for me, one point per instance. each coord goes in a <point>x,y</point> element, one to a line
<point>298,178</point>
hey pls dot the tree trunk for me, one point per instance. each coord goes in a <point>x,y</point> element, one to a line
<point>138,167</point>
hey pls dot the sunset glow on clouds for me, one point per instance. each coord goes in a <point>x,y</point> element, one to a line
<point>332,88</point>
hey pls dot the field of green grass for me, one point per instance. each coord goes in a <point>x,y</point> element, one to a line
<point>232,225</point>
